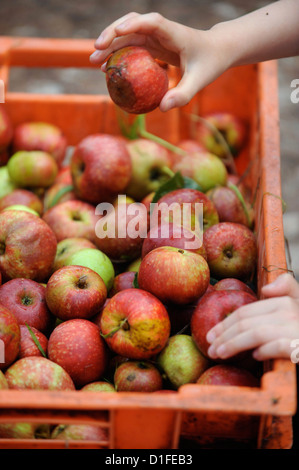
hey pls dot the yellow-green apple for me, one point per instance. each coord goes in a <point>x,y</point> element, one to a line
<point>3,381</point>
<point>100,386</point>
<point>34,169</point>
<point>24,431</point>
<point>96,260</point>
<point>170,234</point>
<point>134,266</point>
<point>41,136</point>
<point>137,376</point>
<point>27,344</point>
<point>38,373</point>
<point>228,374</point>
<point>186,198</point>
<point>69,246</point>
<point>135,80</point>
<point>6,129</point>
<point>6,184</point>
<point>189,146</point>
<point>211,309</point>
<point>174,275</point>
<point>150,167</point>
<point>234,284</point>
<point>231,127</point>
<point>101,168</point>
<point>121,232</point>
<point>9,337</point>
<point>77,346</point>
<point>23,197</point>
<point>58,193</point>
<point>135,324</point>
<point>72,219</point>
<point>75,292</point>
<point>229,206</point>
<point>26,298</point>
<point>82,432</point>
<point>20,207</point>
<point>27,246</point>
<point>122,281</point>
<point>231,250</point>
<point>181,360</point>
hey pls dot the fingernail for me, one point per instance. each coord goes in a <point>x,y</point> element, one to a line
<point>212,353</point>
<point>169,104</point>
<point>100,38</point>
<point>210,336</point>
<point>94,55</point>
<point>221,351</point>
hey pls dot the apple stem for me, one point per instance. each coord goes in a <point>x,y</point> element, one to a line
<point>241,199</point>
<point>109,335</point>
<point>167,171</point>
<point>82,284</point>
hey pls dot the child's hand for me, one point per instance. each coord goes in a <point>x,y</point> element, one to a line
<point>196,52</point>
<point>267,326</point>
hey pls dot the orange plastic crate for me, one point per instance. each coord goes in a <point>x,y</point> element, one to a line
<point>258,418</point>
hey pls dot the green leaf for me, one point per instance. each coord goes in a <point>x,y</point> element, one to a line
<point>35,340</point>
<point>135,281</point>
<point>177,181</point>
<point>190,183</point>
<point>60,193</point>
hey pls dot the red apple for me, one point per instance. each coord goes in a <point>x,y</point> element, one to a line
<point>51,197</point>
<point>229,206</point>
<point>137,376</point>
<point>26,298</point>
<point>169,234</point>
<point>212,308</point>
<point>64,176</point>
<point>23,197</point>
<point>231,250</point>
<point>234,284</point>
<point>67,247</point>
<point>38,373</point>
<point>41,136</point>
<point>27,246</point>
<point>72,219</point>
<point>9,337</point>
<point>174,275</point>
<point>77,346</point>
<point>3,381</point>
<point>33,169</point>
<point>189,197</point>
<point>227,374</point>
<point>82,432</point>
<point>122,281</point>
<point>101,168</point>
<point>6,129</point>
<point>135,80</point>
<point>27,344</point>
<point>230,126</point>
<point>121,232</point>
<point>135,324</point>
<point>75,292</point>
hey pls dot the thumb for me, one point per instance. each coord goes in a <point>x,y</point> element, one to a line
<point>181,94</point>
<point>285,284</point>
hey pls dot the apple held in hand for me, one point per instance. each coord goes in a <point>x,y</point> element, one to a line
<point>27,344</point>
<point>9,337</point>
<point>137,376</point>
<point>135,324</point>
<point>23,197</point>
<point>101,168</point>
<point>77,346</point>
<point>33,169</point>
<point>72,219</point>
<point>227,374</point>
<point>40,136</point>
<point>27,246</point>
<point>26,298</point>
<point>75,292</point>
<point>231,250</point>
<point>150,167</point>
<point>38,373</point>
<point>181,360</point>
<point>174,275</point>
<point>135,80</point>
<point>67,247</point>
<point>212,308</point>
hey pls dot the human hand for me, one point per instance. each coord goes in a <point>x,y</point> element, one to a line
<point>267,326</point>
<point>198,54</point>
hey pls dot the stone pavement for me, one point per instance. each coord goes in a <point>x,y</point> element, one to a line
<point>77,19</point>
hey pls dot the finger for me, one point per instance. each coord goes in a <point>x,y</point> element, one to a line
<point>279,348</point>
<point>109,33</point>
<point>181,94</point>
<point>248,340</point>
<point>285,284</point>
<point>99,57</point>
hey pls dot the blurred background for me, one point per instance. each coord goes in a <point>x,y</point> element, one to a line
<point>86,19</point>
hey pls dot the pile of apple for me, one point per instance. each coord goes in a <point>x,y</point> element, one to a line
<point>79,312</point>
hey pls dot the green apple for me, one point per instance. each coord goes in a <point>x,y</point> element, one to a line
<point>134,266</point>
<point>35,169</point>
<point>20,207</point>
<point>96,260</point>
<point>6,184</point>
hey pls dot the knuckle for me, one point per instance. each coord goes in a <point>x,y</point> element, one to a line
<point>156,17</point>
